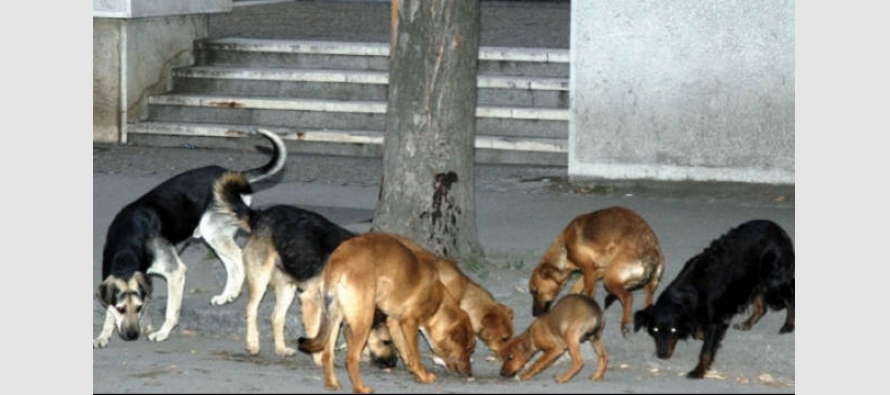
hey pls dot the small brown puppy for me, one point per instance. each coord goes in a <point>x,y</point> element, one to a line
<point>376,271</point>
<point>572,320</point>
<point>614,244</point>
<point>492,321</point>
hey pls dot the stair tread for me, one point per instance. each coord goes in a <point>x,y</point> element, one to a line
<point>490,53</point>
<point>358,76</point>
<point>362,106</point>
<point>540,144</point>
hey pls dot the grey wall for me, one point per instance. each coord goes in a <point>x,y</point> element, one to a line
<point>136,44</point>
<point>674,90</point>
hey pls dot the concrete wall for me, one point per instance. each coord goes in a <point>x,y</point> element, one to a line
<point>682,90</point>
<point>136,44</point>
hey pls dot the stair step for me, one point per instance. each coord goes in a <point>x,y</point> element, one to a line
<point>486,53</point>
<point>358,77</point>
<point>255,52</point>
<point>369,107</point>
<point>363,85</point>
<point>489,149</point>
<point>336,136</point>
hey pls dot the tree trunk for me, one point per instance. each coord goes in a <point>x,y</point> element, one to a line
<point>428,188</point>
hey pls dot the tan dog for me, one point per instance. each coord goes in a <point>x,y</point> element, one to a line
<point>375,270</point>
<point>492,321</point>
<point>614,244</point>
<point>572,320</point>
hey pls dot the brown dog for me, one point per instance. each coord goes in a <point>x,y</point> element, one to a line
<point>375,270</point>
<point>614,244</point>
<point>492,321</point>
<point>572,320</point>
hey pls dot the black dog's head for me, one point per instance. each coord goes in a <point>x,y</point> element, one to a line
<point>125,299</point>
<point>666,322</point>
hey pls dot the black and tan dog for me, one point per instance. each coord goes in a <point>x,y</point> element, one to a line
<point>287,249</point>
<point>572,320</point>
<point>492,321</point>
<point>752,264</point>
<point>614,244</point>
<point>375,272</point>
<point>142,239</point>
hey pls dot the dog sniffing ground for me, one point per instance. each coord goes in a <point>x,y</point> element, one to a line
<point>519,212</point>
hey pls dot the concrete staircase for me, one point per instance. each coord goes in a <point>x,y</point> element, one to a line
<point>330,98</point>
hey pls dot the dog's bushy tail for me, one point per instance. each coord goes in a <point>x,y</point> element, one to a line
<point>230,192</point>
<point>275,164</point>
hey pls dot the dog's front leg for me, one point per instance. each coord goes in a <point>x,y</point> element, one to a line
<point>550,356</point>
<point>175,289</point>
<point>405,335</point>
<point>107,330</point>
<point>713,335</point>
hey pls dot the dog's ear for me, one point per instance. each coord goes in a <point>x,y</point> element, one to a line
<point>641,318</point>
<point>549,272</point>
<point>105,293</point>
<point>508,312</point>
<point>144,285</point>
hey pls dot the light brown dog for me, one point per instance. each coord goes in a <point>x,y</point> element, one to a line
<point>614,244</point>
<point>492,321</point>
<point>572,320</point>
<point>375,270</point>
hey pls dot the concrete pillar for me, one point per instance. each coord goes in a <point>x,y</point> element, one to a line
<point>682,90</point>
<point>136,43</point>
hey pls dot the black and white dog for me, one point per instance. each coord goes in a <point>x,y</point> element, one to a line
<point>142,239</point>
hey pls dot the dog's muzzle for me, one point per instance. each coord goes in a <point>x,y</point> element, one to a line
<point>664,348</point>
<point>129,333</point>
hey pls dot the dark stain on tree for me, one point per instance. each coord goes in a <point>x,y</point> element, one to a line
<point>443,207</point>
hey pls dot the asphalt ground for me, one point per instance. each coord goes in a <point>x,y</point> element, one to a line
<point>519,211</point>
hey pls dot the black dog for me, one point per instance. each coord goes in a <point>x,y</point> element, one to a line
<point>753,264</point>
<point>142,239</point>
<point>287,250</point>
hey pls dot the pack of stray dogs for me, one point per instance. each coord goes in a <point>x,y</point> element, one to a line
<point>386,289</point>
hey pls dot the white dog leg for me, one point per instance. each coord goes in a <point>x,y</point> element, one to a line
<point>107,329</point>
<point>219,231</point>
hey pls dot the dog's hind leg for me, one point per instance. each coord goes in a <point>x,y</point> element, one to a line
<point>573,344</point>
<point>789,311</point>
<point>621,273</point>
<point>602,356</point>
<point>285,291</point>
<point>259,259</point>
<point>168,265</point>
<point>219,230</point>
<point>310,312</point>
<point>757,312</point>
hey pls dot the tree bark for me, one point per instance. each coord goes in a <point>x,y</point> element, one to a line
<point>428,188</point>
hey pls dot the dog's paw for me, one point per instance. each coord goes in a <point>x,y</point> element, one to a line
<point>696,374</point>
<point>786,328</point>
<point>219,300</point>
<point>253,348</point>
<point>285,351</point>
<point>100,343</point>
<point>625,330</point>
<point>158,336</point>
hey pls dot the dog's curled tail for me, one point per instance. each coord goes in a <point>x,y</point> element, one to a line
<point>230,192</point>
<point>275,164</point>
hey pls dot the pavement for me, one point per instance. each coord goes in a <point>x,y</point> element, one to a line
<point>520,209</point>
